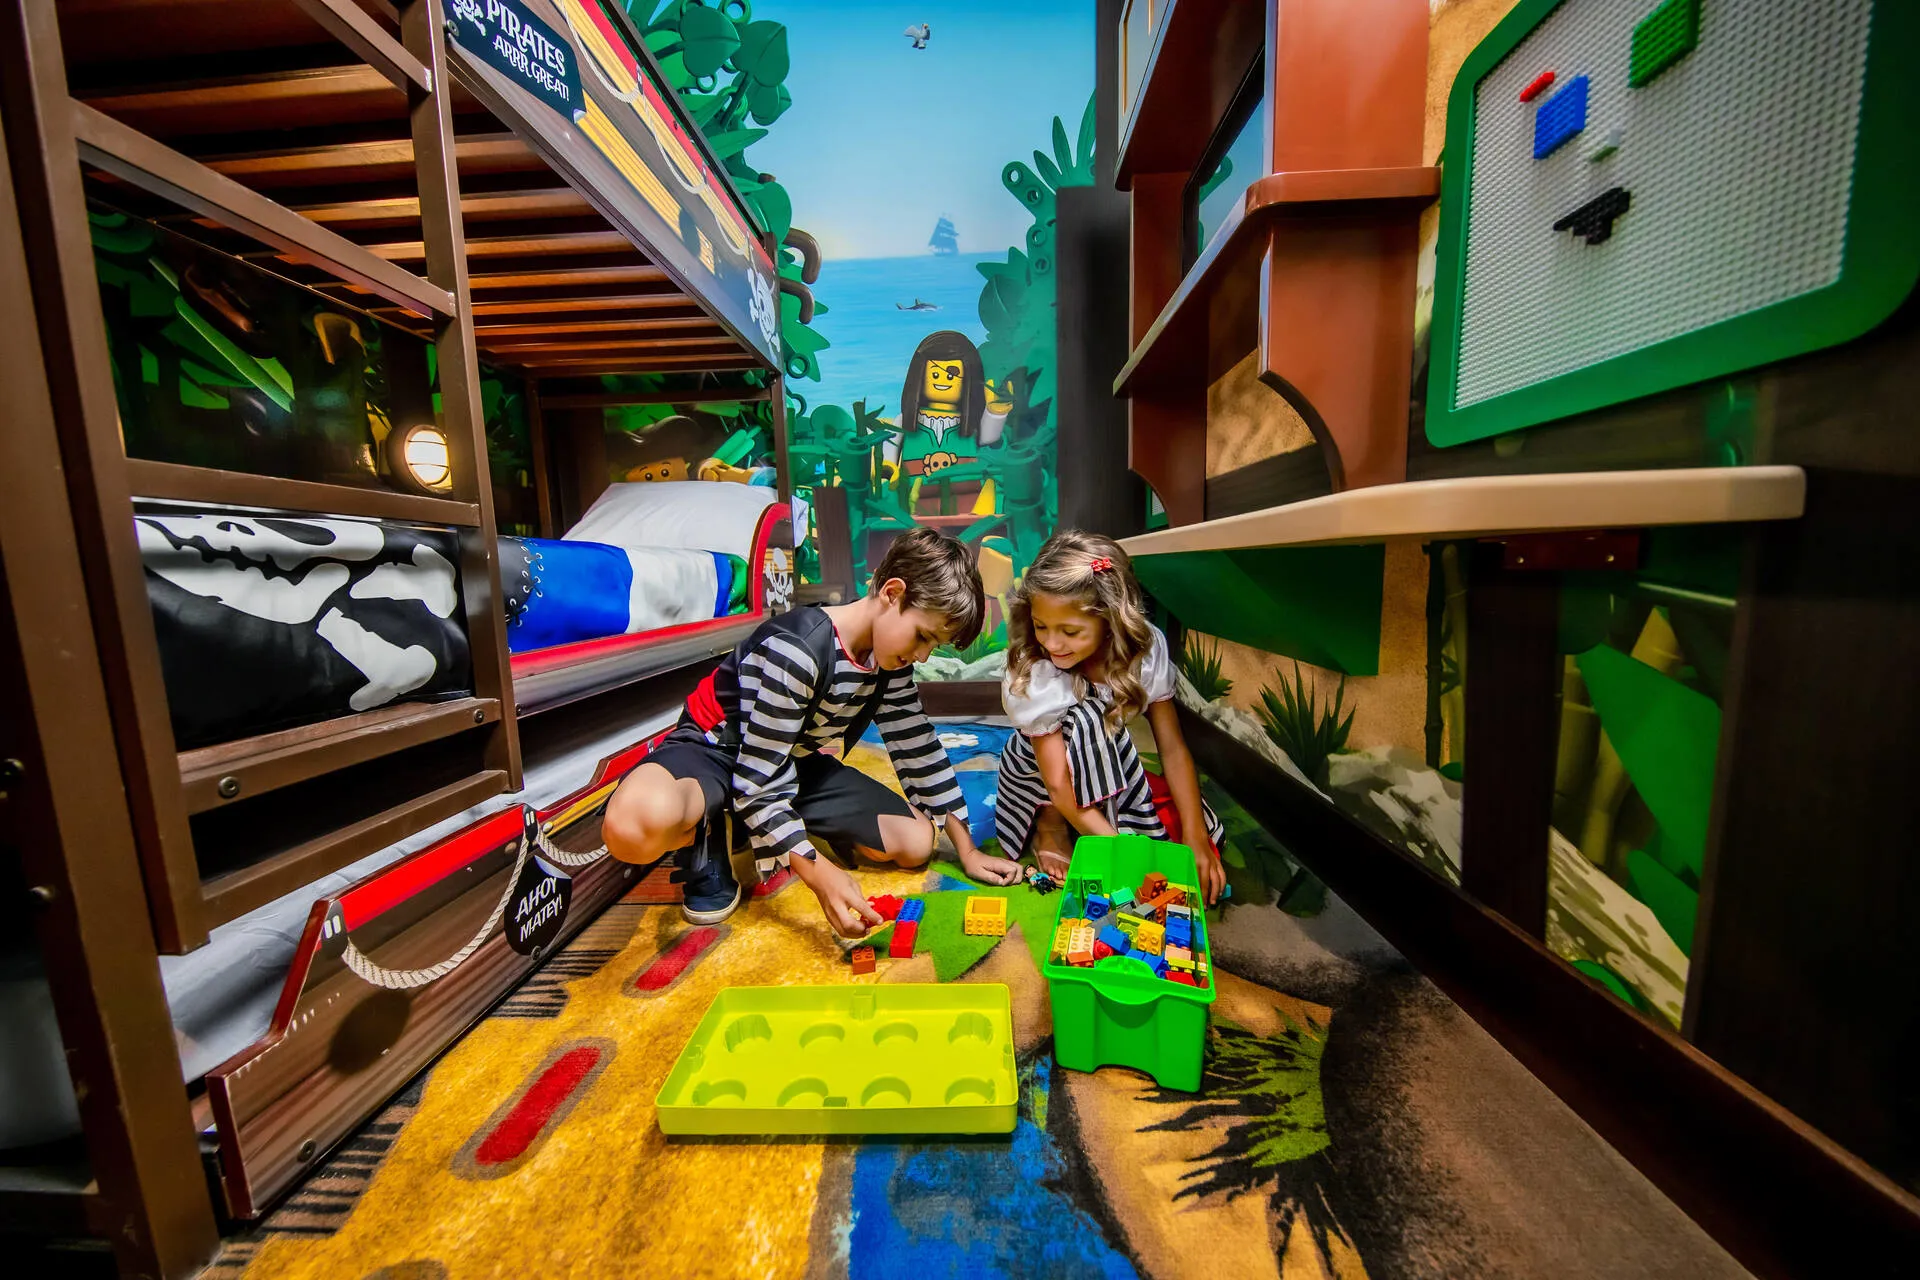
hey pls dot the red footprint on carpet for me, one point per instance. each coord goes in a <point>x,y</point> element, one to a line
<point>673,963</point>
<point>515,1131</point>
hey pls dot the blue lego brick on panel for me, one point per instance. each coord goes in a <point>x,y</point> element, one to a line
<point>1560,117</point>
<point>913,909</point>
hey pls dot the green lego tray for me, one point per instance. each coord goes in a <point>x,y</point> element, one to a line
<point>895,1058</point>
<point>1117,1013</point>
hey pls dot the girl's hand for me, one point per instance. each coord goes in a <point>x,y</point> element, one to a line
<point>988,869</point>
<point>845,907</point>
<point>1213,873</point>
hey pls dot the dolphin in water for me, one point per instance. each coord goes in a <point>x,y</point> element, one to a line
<point>918,305</point>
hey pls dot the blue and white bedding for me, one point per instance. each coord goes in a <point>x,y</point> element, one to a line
<point>562,591</point>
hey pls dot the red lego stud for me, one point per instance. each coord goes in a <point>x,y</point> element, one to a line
<point>887,905</point>
<point>1101,951</point>
<point>1537,86</point>
<point>863,960</point>
<point>904,934</point>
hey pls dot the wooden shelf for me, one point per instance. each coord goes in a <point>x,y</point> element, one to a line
<point>1200,54</point>
<point>1486,505</point>
<point>234,893</point>
<point>1193,339</point>
<point>272,760</point>
<point>177,483</point>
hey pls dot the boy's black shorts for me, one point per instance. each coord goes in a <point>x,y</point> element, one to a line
<point>839,804</point>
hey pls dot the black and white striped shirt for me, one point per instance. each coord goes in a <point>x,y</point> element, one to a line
<point>773,681</point>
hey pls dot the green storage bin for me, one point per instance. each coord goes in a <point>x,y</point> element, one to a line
<point>1117,1013</point>
<point>882,1058</point>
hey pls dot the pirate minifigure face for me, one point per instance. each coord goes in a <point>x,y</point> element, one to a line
<point>664,469</point>
<point>943,383</point>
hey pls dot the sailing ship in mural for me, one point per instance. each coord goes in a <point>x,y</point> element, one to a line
<point>945,240</point>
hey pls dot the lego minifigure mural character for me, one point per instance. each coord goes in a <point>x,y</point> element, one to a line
<point>948,410</point>
<point>682,447</point>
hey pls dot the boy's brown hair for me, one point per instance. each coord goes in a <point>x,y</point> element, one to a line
<point>941,578</point>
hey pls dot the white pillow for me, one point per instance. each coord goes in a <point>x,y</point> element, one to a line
<point>709,515</point>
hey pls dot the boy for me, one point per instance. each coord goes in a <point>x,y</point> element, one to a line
<point>754,731</point>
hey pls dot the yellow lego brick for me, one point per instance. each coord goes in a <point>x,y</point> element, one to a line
<point>1062,940</point>
<point>986,917</point>
<point>1082,939</point>
<point>1150,938</point>
<point>1178,956</point>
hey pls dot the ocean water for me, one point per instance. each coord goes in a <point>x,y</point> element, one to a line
<point>872,338</point>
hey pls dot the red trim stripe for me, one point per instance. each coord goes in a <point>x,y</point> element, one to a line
<point>518,1129</point>
<point>428,867</point>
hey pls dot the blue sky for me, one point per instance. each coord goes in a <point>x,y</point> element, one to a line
<point>882,138</point>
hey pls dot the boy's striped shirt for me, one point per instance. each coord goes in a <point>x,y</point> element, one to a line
<point>774,683</point>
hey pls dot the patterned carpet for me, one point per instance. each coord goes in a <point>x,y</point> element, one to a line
<point>1353,1122</point>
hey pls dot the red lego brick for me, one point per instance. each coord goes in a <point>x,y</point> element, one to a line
<point>887,905</point>
<point>1176,975</point>
<point>904,935</point>
<point>1537,86</point>
<point>1101,951</point>
<point>863,960</point>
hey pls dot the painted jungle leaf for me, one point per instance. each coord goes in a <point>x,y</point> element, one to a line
<point>1089,127</point>
<point>1062,153</point>
<point>1667,736</point>
<point>768,102</point>
<point>1674,904</point>
<point>774,207</point>
<point>762,56</point>
<point>1049,172</point>
<point>734,141</point>
<point>707,39</point>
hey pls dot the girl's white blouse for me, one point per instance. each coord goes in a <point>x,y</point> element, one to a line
<point>1051,692</point>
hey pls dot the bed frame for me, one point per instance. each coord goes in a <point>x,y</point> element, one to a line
<point>357,149</point>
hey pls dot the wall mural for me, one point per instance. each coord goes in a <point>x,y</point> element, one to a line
<point>920,381</point>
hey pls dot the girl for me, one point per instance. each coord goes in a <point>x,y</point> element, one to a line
<point>1082,661</point>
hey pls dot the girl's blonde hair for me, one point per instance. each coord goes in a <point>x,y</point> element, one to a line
<point>1092,571</point>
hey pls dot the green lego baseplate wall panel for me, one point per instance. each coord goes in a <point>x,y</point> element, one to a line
<point>1640,195</point>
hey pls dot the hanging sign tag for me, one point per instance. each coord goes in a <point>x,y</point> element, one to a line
<point>538,907</point>
<point>504,35</point>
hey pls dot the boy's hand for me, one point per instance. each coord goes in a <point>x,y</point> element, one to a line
<point>846,908</point>
<point>1213,873</point>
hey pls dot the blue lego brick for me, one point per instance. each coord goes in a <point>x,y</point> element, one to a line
<point>1560,118</point>
<point>1180,937</point>
<point>1097,906</point>
<point>913,909</point>
<point>1116,939</point>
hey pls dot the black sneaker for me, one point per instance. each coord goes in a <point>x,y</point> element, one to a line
<point>705,873</point>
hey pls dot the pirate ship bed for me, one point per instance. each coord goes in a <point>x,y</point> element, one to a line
<point>301,274</point>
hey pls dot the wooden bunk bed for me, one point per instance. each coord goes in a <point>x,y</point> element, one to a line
<point>509,187</point>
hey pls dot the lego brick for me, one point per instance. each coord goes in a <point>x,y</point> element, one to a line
<point>1176,955</point>
<point>1062,939</point>
<point>985,917</point>
<point>1082,937</point>
<point>1179,909</point>
<point>1127,923</point>
<point>1560,118</point>
<point>1115,939</point>
<point>887,905</point>
<point>1150,938</point>
<point>1662,38</point>
<point>1081,958</point>
<point>1097,906</point>
<point>905,934</point>
<point>1178,976</point>
<point>1121,898</point>
<point>913,909</point>
<point>863,960</point>
<point>1537,86</point>
<point>1101,950</point>
<point>1153,886</point>
<point>1092,888</point>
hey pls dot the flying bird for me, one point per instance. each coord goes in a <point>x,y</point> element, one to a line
<point>919,33</point>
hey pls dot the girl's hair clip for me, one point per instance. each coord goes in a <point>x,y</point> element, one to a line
<point>1100,564</point>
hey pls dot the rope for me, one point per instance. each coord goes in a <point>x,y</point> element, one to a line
<point>407,979</point>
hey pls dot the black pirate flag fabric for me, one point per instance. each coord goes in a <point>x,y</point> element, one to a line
<point>267,622</point>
